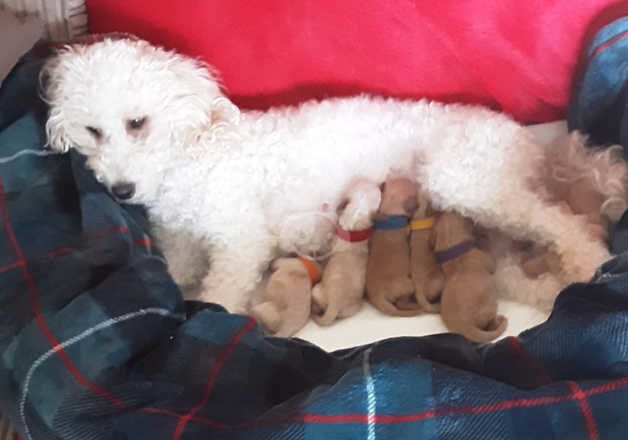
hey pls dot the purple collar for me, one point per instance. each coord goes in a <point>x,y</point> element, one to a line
<point>454,251</point>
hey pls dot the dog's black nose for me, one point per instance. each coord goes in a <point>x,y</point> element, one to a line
<point>123,191</point>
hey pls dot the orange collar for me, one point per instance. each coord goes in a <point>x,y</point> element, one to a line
<point>312,269</point>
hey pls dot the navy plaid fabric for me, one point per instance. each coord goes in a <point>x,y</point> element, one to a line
<point>599,103</point>
<point>96,342</point>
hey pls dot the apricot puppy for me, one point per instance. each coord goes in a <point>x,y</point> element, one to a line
<point>427,275</point>
<point>341,290</point>
<point>388,284</point>
<point>287,297</point>
<point>468,301</point>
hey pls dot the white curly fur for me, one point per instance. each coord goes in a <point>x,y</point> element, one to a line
<point>229,178</point>
<point>569,160</point>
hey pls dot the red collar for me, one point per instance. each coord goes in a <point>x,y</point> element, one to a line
<point>353,236</point>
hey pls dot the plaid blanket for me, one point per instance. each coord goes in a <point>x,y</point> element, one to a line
<point>96,342</point>
<point>599,103</point>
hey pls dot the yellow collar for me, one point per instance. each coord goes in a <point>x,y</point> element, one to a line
<point>422,223</point>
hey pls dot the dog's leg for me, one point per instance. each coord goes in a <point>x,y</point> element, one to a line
<point>527,217</point>
<point>186,258</point>
<point>565,233</point>
<point>236,268</point>
<point>489,178</point>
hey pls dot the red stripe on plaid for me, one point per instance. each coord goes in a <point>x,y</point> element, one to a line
<point>196,419</point>
<point>515,343</point>
<point>607,387</point>
<point>608,43</point>
<point>431,413</point>
<point>10,266</point>
<point>235,340</point>
<point>144,242</point>
<point>576,394</point>
<point>581,397</point>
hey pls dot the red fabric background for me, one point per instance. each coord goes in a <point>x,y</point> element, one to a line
<point>514,55</point>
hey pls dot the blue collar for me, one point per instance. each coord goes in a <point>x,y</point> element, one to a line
<point>391,222</point>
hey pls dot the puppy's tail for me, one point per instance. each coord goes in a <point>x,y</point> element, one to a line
<point>402,307</point>
<point>494,330</point>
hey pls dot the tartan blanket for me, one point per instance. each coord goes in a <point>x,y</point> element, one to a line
<point>599,102</point>
<point>96,342</point>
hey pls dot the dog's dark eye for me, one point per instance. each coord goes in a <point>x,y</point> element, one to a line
<point>136,123</point>
<point>94,132</point>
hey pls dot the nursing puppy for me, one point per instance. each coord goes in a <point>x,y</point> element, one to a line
<point>286,301</point>
<point>388,284</point>
<point>468,301</point>
<point>427,275</point>
<point>341,290</point>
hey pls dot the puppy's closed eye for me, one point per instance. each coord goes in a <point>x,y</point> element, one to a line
<point>95,132</point>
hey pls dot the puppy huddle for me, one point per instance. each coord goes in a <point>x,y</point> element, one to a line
<point>380,252</point>
<point>407,258</point>
<point>429,264</point>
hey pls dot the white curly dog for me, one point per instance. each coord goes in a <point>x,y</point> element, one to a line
<point>157,130</point>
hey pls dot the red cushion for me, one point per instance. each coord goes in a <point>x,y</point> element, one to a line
<point>514,55</point>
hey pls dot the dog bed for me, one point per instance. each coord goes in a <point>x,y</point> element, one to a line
<point>97,343</point>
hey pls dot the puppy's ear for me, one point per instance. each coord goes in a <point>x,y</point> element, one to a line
<point>51,88</point>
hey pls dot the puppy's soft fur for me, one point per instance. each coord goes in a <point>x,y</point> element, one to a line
<point>427,275</point>
<point>341,290</point>
<point>388,284</point>
<point>469,299</point>
<point>285,306</point>
<point>157,122</point>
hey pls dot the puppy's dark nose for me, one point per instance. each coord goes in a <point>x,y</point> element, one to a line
<point>123,191</point>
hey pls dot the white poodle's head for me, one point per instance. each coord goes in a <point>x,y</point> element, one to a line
<point>132,109</point>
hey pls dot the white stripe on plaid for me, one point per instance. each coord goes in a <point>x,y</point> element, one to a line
<point>21,153</point>
<point>370,394</point>
<point>90,331</point>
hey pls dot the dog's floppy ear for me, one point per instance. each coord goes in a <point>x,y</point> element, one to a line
<point>50,82</point>
<point>203,106</point>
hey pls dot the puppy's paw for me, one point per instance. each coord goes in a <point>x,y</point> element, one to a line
<point>319,300</point>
